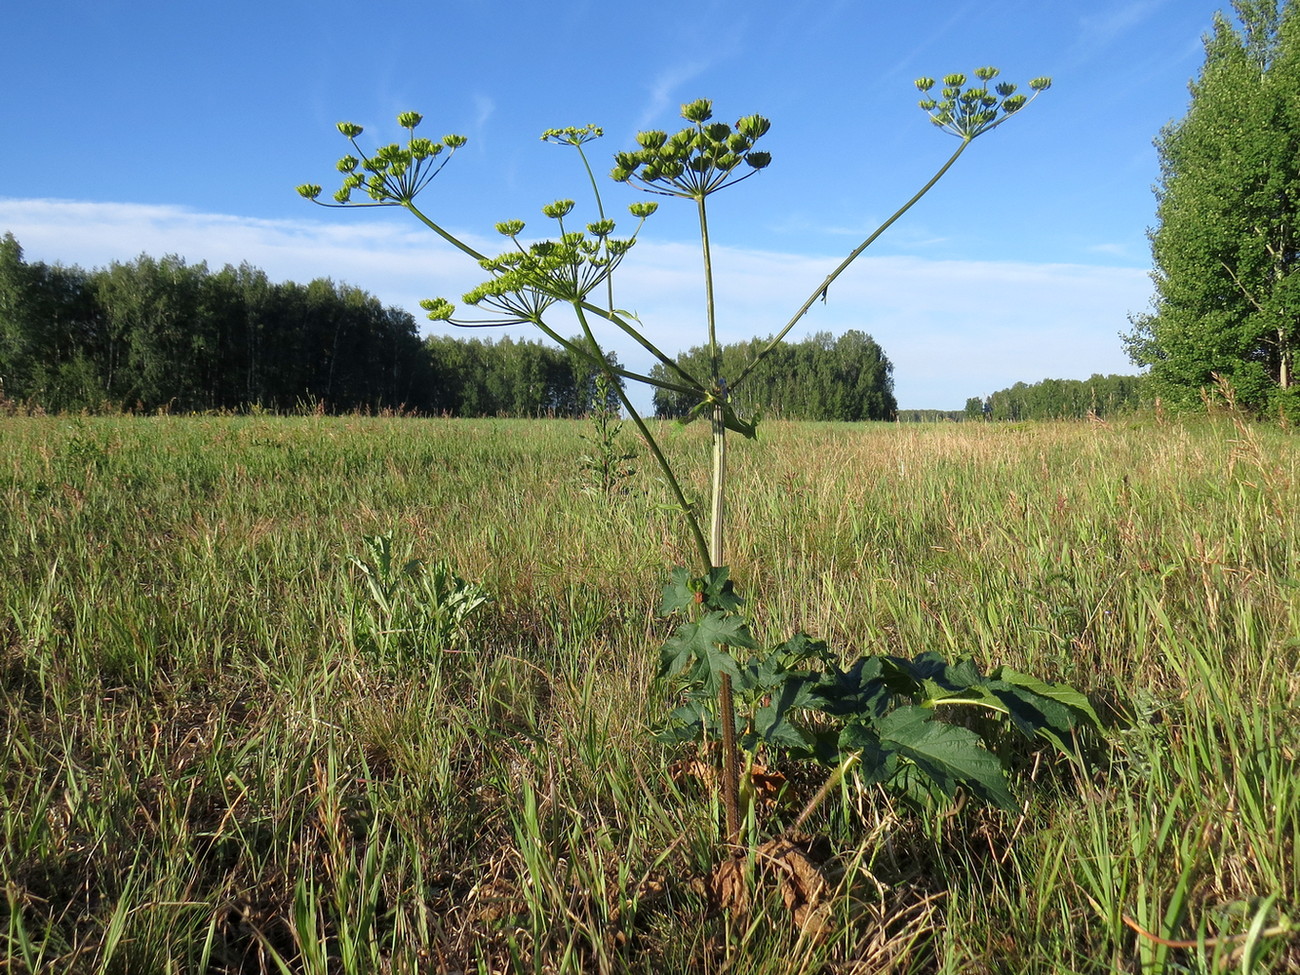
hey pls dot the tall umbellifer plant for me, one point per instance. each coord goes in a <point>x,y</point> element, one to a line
<point>877,716</point>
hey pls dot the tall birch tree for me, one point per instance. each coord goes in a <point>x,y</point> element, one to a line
<point>1225,248</point>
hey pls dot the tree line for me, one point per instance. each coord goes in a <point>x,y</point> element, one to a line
<point>1061,399</point>
<point>156,334</point>
<point>848,378</point>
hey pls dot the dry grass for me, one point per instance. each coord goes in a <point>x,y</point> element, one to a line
<point>204,772</point>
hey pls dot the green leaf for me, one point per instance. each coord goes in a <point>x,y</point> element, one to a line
<point>720,591</point>
<point>695,412</point>
<point>949,755</point>
<point>1035,716</point>
<point>728,629</point>
<point>778,663</point>
<point>963,673</point>
<point>801,647</point>
<point>1040,709</point>
<point>910,783</point>
<point>771,723</point>
<point>904,676</point>
<point>704,643</point>
<point>687,723</point>
<point>857,691</point>
<point>878,761</point>
<point>732,421</point>
<point>714,591</point>
<point>1076,701</point>
<point>677,594</point>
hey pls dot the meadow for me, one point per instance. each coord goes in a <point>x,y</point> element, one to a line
<point>210,764</point>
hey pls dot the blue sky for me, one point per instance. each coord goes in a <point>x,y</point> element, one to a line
<point>135,126</point>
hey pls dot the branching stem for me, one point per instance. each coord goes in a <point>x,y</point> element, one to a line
<point>448,237</point>
<point>821,290</point>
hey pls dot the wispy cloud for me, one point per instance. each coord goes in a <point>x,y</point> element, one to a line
<point>484,106</point>
<point>953,329</point>
<point>1111,250</point>
<point>665,91</point>
<point>907,64</point>
<point>1105,25</point>
<point>915,236</point>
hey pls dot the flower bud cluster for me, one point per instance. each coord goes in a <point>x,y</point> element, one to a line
<point>394,174</point>
<point>573,135</point>
<point>530,278</point>
<point>697,160</point>
<point>970,112</point>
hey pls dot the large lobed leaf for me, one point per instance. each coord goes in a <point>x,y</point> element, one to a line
<point>949,756</point>
<point>706,644</point>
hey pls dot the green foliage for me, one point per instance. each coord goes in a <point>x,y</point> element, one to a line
<point>512,377</point>
<point>848,378</point>
<point>714,591</point>
<point>409,611</point>
<point>1063,399</point>
<point>879,714</point>
<point>703,647</point>
<point>52,334</point>
<point>162,334</point>
<point>1226,249</point>
<point>607,466</point>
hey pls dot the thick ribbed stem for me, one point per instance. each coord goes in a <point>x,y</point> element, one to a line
<point>726,702</point>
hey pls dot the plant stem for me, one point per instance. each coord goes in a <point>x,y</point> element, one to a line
<point>717,506</point>
<point>832,780</point>
<point>449,238</point>
<point>719,501</point>
<point>600,208</point>
<point>609,314</point>
<point>617,320</point>
<point>726,702</point>
<point>821,289</point>
<point>570,346</point>
<point>730,773</point>
<point>714,358</point>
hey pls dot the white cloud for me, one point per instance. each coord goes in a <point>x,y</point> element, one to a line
<point>376,249</point>
<point>953,329</point>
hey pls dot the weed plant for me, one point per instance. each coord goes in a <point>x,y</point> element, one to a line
<point>873,720</point>
<point>206,771</point>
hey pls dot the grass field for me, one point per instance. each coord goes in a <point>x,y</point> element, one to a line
<point>211,765</point>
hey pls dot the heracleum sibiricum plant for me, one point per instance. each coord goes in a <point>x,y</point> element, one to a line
<point>875,717</point>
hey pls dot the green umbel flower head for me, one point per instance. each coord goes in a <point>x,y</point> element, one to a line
<point>698,160</point>
<point>970,112</point>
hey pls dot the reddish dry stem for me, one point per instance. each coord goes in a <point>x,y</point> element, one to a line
<point>729,784</point>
